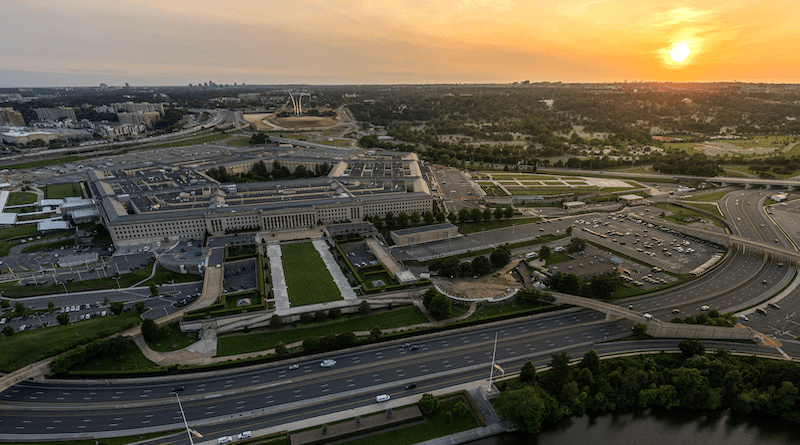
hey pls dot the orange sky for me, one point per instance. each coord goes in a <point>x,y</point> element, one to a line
<point>53,42</point>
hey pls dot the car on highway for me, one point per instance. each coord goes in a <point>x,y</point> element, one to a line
<point>772,305</point>
<point>676,311</point>
<point>245,435</point>
<point>294,366</point>
<point>224,439</point>
<point>705,308</point>
<point>744,318</point>
<point>413,347</point>
<point>327,363</point>
<point>411,386</point>
<point>178,388</point>
<point>382,398</point>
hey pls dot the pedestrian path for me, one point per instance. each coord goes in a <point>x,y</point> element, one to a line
<point>333,268</point>
<point>278,279</point>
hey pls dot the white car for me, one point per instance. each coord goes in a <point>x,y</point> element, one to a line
<point>294,366</point>
<point>2,321</point>
<point>705,308</point>
<point>327,363</point>
<point>245,434</point>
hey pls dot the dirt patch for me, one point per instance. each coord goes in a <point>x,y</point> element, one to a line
<point>486,287</point>
<point>304,121</point>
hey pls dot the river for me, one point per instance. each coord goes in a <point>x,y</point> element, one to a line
<point>652,427</point>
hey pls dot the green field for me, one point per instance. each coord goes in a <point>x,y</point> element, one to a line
<point>681,213</point>
<point>24,348</point>
<point>557,257</point>
<point>174,339</point>
<point>242,343</point>
<point>110,441</point>
<point>55,245</point>
<point>238,142</point>
<point>432,428</point>
<point>45,162</point>
<point>57,191</point>
<point>710,208</point>
<point>520,176</point>
<point>14,232</point>
<point>131,360</point>
<point>19,198</point>
<point>164,276</point>
<point>195,141</point>
<point>707,197</point>
<point>307,279</point>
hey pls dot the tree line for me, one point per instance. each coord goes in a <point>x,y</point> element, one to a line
<point>689,381</point>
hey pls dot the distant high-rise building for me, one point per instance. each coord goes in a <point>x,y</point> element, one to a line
<point>126,85</point>
<point>11,117</point>
<point>54,114</point>
<point>103,87</point>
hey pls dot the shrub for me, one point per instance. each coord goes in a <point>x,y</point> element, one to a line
<point>334,313</point>
<point>448,418</point>
<point>460,408</point>
<point>364,308</point>
<point>305,317</point>
<point>275,321</point>
<point>428,404</point>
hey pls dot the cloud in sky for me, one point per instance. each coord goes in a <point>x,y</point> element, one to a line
<point>401,41</point>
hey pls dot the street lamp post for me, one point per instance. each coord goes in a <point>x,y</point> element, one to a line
<point>491,371</point>
<point>189,433</point>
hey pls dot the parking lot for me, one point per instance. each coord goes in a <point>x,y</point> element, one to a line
<point>359,254</point>
<point>240,275</point>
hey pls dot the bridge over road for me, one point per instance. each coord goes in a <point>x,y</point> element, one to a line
<point>656,327</point>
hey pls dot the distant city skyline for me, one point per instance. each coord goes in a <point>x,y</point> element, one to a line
<point>143,42</point>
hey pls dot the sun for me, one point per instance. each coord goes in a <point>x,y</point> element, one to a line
<point>679,52</point>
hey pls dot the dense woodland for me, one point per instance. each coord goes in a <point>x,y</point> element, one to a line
<point>690,381</point>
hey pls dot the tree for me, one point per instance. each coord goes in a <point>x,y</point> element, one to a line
<point>691,347</point>
<point>509,212</point>
<point>364,308</point>
<point>428,404</point>
<point>275,321</point>
<point>481,265</point>
<point>427,217</point>
<point>281,349</point>
<point>463,215</point>
<point>440,307</point>
<point>63,319</point>
<point>376,332</point>
<point>448,418</point>
<point>500,257</point>
<point>5,304</point>
<point>116,307</point>
<point>528,407</point>
<point>334,313</point>
<point>320,316</point>
<point>544,253</point>
<point>452,217</point>
<point>8,331</point>
<point>377,221</point>
<point>153,289</point>
<point>414,218</point>
<point>402,220</point>
<point>388,219</point>
<point>604,286</point>
<point>460,408</point>
<point>590,361</point>
<point>51,306</point>
<point>150,330</point>
<point>487,214</point>
<point>499,213</point>
<point>475,214</point>
<point>306,317</point>
<point>569,231</point>
<point>576,245</point>
<point>139,307</point>
<point>311,344</point>
<point>427,297</point>
<point>527,374</point>
<point>19,308</point>
<point>440,217</point>
<point>639,330</point>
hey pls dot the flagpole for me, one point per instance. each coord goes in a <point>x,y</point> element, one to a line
<point>491,372</point>
<point>184,420</point>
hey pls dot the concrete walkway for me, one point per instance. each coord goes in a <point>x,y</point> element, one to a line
<point>333,268</point>
<point>278,279</point>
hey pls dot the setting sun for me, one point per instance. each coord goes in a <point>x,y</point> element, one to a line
<point>679,52</point>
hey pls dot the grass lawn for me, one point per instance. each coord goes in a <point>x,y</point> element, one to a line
<point>57,191</point>
<point>240,252</point>
<point>19,198</point>
<point>55,245</point>
<point>239,142</point>
<point>680,213</point>
<point>707,197</point>
<point>259,341</point>
<point>195,141</point>
<point>131,360</point>
<point>307,279</point>
<point>466,228</point>
<point>164,276</point>
<point>434,427</point>
<point>44,162</point>
<point>28,347</point>
<point>15,232</point>
<point>489,312</point>
<point>557,257</point>
<point>710,208</point>
<point>174,339</point>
